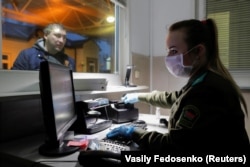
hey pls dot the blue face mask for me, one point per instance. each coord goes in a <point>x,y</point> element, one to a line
<point>175,66</point>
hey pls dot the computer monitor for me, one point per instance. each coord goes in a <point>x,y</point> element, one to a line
<point>127,77</point>
<point>58,107</point>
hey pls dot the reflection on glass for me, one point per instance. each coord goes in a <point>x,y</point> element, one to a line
<point>90,36</point>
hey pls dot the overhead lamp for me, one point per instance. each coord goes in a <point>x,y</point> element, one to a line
<point>110,19</point>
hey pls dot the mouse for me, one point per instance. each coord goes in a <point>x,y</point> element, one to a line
<point>139,121</point>
<point>164,121</point>
<point>94,113</point>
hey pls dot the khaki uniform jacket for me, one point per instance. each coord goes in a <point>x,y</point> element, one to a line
<point>206,114</point>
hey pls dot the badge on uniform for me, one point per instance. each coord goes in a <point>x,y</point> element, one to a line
<point>189,116</point>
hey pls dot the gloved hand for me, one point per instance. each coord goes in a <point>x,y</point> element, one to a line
<point>130,98</point>
<point>122,131</point>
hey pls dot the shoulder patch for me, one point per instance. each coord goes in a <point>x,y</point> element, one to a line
<point>190,114</point>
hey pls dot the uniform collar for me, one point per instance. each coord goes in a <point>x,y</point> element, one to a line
<point>196,79</point>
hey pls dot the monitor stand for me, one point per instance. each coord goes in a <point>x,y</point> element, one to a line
<point>130,85</point>
<point>62,150</point>
<point>127,84</point>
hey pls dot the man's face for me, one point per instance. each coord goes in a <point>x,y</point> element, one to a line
<point>55,40</point>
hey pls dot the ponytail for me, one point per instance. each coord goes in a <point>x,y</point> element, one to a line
<point>215,63</point>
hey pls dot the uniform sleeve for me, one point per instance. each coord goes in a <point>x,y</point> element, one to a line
<point>153,140</point>
<point>159,98</point>
<point>204,119</point>
<point>187,123</point>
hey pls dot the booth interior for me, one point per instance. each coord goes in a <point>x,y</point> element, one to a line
<point>54,117</point>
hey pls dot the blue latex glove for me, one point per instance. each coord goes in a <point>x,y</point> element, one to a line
<point>130,98</point>
<point>122,131</point>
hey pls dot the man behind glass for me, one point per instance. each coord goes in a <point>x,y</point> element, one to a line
<point>49,48</point>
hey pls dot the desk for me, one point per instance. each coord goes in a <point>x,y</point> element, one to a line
<point>36,94</point>
<point>19,84</point>
<point>24,152</point>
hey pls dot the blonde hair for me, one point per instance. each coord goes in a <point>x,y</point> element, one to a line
<point>47,30</point>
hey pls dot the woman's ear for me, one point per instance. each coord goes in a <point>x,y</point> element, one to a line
<point>200,50</point>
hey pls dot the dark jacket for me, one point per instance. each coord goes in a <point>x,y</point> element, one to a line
<point>206,114</point>
<point>29,59</point>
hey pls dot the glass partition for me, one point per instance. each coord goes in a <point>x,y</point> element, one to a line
<point>92,27</point>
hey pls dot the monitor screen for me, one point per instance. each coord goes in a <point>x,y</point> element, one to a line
<point>58,107</point>
<point>127,77</point>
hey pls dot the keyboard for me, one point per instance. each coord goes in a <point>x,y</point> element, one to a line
<point>110,145</point>
<point>138,123</point>
<point>97,127</point>
<point>107,145</point>
<point>123,141</point>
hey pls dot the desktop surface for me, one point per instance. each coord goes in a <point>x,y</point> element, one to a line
<point>25,150</point>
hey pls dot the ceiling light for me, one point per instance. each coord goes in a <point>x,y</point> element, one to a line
<point>110,19</point>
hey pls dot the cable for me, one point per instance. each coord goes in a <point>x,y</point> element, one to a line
<point>107,116</point>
